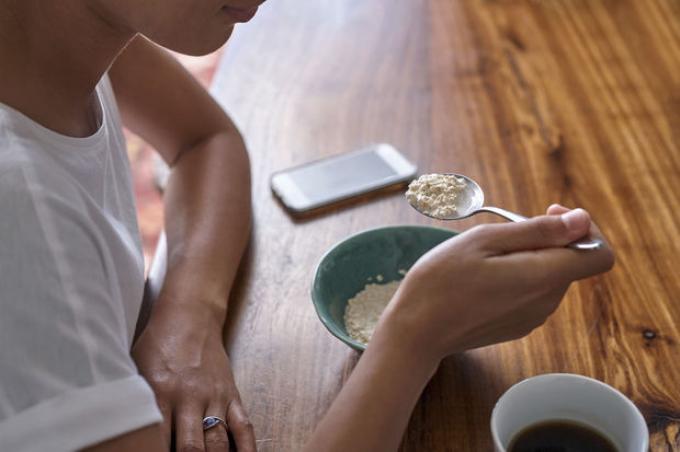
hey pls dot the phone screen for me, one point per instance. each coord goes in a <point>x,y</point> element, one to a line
<point>341,176</point>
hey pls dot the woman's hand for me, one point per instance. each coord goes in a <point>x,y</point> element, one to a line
<point>492,283</point>
<point>190,374</point>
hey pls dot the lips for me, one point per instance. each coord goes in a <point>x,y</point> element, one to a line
<point>240,14</point>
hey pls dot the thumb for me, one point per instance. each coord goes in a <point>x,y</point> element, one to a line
<point>548,231</point>
<point>557,209</point>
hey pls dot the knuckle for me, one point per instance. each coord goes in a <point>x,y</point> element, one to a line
<point>163,389</point>
<point>482,230</point>
<point>161,382</point>
<point>191,446</point>
<point>217,440</point>
<point>242,424</point>
<point>548,227</point>
<point>481,233</point>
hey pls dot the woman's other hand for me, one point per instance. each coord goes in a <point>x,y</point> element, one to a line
<point>190,373</point>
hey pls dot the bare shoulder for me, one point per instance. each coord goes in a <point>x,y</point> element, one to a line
<point>162,102</point>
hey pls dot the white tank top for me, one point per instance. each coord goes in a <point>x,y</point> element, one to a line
<point>71,285</point>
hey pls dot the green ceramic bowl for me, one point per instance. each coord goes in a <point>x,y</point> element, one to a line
<point>345,269</point>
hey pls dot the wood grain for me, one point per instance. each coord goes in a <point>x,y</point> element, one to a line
<point>571,101</point>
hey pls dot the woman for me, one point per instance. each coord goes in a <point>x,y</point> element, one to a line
<point>71,271</point>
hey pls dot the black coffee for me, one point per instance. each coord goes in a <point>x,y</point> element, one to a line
<point>560,436</point>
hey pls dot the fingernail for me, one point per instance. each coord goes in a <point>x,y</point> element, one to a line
<point>574,218</point>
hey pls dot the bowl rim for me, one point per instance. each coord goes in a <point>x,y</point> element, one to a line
<point>331,327</point>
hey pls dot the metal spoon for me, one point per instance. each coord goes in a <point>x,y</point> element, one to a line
<point>470,201</point>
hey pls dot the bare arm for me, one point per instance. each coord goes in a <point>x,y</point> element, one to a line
<point>489,285</point>
<point>208,216</point>
<point>373,408</point>
<point>208,194</point>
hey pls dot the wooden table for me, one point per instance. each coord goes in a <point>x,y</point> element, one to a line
<point>574,101</point>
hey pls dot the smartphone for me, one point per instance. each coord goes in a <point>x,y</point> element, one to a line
<point>327,181</point>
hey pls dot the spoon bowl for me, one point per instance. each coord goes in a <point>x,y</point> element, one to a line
<point>470,201</point>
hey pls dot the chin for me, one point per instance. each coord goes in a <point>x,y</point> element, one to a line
<point>196,44</point>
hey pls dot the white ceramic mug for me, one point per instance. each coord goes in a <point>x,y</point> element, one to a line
<point>569,397</point>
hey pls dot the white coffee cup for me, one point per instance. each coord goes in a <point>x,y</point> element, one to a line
<point>572,398</point>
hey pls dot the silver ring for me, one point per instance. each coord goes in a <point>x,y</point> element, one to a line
<point>211,421</point>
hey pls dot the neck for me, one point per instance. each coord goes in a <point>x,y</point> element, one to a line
<point>56,53</point>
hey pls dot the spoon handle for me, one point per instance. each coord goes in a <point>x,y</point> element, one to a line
<point>515,217</point>
<point>583,244</point>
